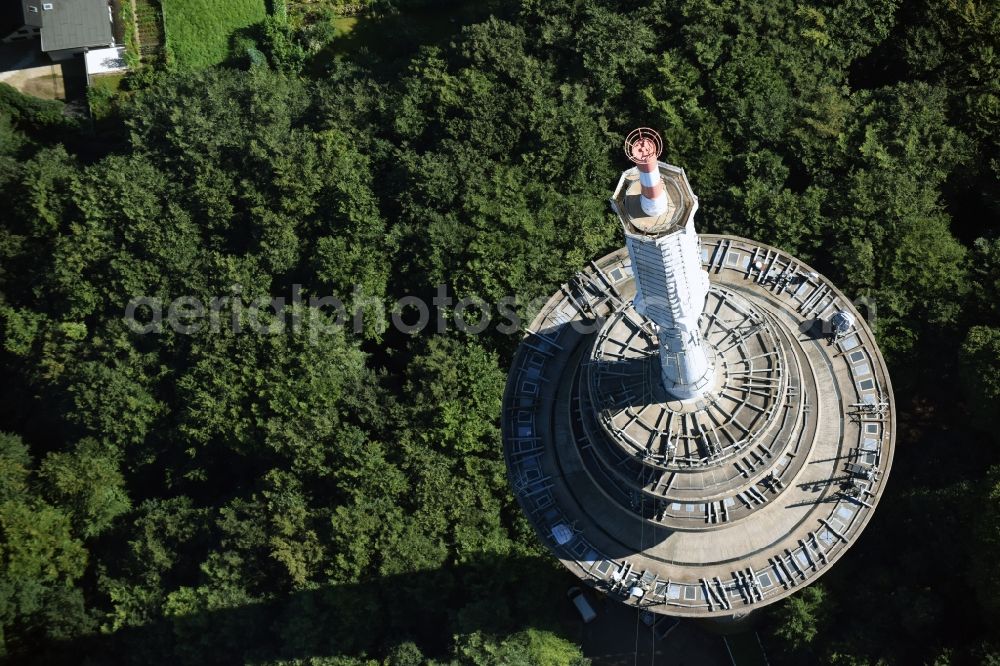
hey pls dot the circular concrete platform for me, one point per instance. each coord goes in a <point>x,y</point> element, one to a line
<point>708,507</point>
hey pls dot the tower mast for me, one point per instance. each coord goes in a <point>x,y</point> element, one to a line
<point>656,207</point>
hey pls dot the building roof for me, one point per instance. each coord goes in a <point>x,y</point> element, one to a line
<point>32,11</point>
<point>105,61</point>
<point>70,24</point>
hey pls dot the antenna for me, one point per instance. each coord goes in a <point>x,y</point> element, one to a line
<point>643,146</point>
<point>671,285</point>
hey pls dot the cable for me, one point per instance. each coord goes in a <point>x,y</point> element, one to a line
<point>642,529</point>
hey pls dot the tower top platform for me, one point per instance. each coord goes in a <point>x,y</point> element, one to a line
<point>682,202</point>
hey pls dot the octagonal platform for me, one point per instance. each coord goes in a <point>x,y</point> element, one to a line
<point>681,201</point>
<point>709,507</point>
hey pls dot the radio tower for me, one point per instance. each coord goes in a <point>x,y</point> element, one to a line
<point>696,426</point>
<point>658,217</point>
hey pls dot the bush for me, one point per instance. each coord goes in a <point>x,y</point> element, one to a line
<point>31,112</point>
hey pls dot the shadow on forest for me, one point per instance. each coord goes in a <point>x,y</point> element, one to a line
<point>398,33</point>
<point>492,594</point>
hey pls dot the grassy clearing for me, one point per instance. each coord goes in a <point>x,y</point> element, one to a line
<point>109,82</point>
<point>102,93</point>
<point>198,31</point>
<point>344,25</point>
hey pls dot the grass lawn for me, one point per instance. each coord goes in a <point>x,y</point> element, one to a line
<point>110,82</point>
<point>101,94</point>
<point>198,31</point>
<point>344,25</point>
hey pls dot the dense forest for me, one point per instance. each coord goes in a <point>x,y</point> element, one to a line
<point>224,496</point>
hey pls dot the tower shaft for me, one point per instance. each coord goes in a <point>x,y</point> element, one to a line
<point>671,288</point>
<point>656,207</point>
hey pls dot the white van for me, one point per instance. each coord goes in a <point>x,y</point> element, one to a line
<point>587,612</point>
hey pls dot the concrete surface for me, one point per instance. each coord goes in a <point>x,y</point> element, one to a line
<point>24,67</point>
<point>700,532</point>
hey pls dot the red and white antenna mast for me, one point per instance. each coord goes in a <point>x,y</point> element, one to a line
<point>643,146</point>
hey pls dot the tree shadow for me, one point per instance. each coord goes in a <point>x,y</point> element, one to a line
<point>386,39</point>
<point>492,593</point>
<point>22,55</point>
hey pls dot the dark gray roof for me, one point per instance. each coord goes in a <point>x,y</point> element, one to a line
<point>32,13</point>
<point>70,24</point>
